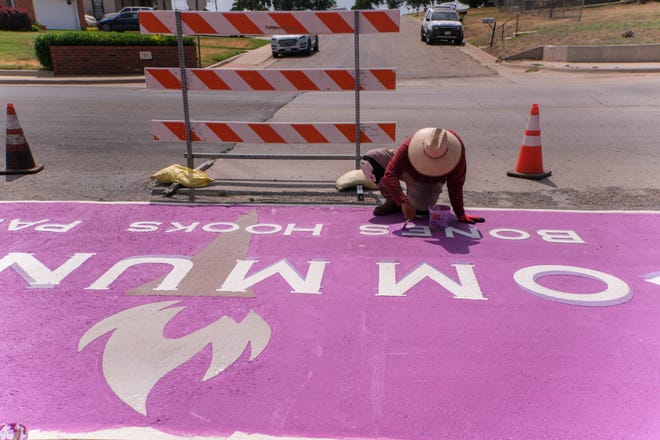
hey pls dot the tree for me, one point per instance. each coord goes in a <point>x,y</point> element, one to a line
<point>251,5</point>
<point>394,4</point>
<point>367,4</point>
<point>416,4</point>
<point>303,5</point>
<point>321,5</point>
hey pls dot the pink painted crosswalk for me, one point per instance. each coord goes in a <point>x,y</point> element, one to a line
<point>325,322</point>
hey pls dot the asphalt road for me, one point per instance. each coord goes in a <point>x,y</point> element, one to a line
<point>599,131</point>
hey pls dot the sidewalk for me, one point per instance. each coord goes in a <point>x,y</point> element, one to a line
<point>47,77</point>
<point>257,57</point>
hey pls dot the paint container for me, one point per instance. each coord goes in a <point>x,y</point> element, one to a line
<point>439,216</point>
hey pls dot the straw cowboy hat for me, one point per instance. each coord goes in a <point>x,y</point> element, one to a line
<point>434,151</point>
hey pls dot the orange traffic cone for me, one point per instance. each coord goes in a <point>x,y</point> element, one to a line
<point>18,156</point>
<point>530,159</point>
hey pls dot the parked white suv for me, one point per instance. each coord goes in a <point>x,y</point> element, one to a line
<point>290,44</point>
<point>441,23</point>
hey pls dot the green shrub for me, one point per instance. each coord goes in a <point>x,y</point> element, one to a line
<point>43,42</point>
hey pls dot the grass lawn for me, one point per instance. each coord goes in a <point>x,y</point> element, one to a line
<point>216,49</point>
<point>17,49</point>
<point>597,26</point>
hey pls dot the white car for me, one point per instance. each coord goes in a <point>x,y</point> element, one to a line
<point>90,20</point>
<point>441,23</point>
<point>459,7</point>
<point>180,5</point>
<point>294,44</point>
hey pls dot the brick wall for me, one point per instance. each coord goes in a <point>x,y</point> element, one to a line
<point>116,60</point>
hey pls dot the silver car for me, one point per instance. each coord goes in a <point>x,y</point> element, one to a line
<point>294,44</point>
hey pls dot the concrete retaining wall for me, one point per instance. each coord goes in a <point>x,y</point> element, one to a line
<point>627,53</point>
<point>531,54</point>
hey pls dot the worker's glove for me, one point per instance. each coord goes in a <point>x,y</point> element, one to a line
<point>470,219</point>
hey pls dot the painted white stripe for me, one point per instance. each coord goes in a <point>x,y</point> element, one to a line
<point>15,139</point>
<point>532,141</point>
<point>12,123</point>
<point>534,123</point>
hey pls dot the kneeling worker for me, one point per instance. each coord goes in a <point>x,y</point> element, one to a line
<point>425,161</point>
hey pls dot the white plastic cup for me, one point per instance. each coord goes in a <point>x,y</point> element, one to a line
<point>439,216</point>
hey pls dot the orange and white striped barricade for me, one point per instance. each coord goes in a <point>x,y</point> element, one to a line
<point>222,79</point>
<point>269,23</point>
<point>274,132</point>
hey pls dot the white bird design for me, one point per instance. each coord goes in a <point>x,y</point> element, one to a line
<point>137,355</point>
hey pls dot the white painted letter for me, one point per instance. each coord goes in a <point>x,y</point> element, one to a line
<point>179,227</point>
<point>472,233</point>
<point>268,229</point>
<point>559,236</point>
<point>38,275</point>
<point>180,267</point>
<point>467,289</point>
<point>144,226</point>
<point>516,234</point>
<point>316,230</point>
<point>616,292</point>
<point>52,227</point>
<point>220,227</point>
<point>416,231</point>
<point>17,225</point>
<point>374,230</point>
<point>238,281</point>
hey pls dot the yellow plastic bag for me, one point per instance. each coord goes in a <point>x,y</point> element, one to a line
<point>185,176</point>
<point>352,179</point>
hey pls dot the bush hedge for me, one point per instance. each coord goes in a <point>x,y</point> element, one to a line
<point>13,19</point>
<point>82,38</point>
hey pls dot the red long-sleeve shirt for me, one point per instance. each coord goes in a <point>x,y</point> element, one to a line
<point>400,163</point>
